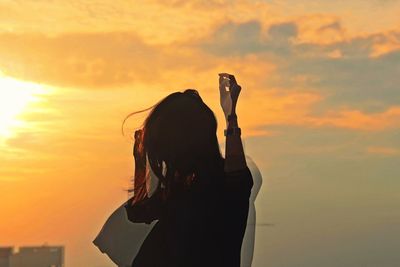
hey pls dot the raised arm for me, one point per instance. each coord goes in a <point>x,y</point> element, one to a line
<point>229,93</point>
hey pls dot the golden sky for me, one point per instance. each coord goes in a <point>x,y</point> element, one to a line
<point>319,111</point>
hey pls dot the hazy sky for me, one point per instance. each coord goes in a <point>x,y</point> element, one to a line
<point>319,111</point>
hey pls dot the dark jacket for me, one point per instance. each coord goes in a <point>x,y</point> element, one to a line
<point>203,227</point>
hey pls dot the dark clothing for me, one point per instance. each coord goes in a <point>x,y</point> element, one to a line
<point>203,227</point>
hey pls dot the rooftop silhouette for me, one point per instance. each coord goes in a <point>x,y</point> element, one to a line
<point>32,256</point>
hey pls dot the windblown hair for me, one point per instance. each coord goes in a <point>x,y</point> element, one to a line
<point>180,135</point>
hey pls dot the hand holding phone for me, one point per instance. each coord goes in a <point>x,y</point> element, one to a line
<point>229,93</point>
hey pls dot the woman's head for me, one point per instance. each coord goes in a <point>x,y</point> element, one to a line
<point>180,134</point>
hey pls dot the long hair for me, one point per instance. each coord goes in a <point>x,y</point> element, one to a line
<point>180,143</point>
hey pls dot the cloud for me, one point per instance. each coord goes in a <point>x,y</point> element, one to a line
<point>195,3</point>
<point>350,72</point>
<point>286,107</point>
<point>357,120</point>
<point>386,44</point>
<point>381,150</point>
<point>84,60</point>
<point>368,84</point>
<point>280,38</point>
<point>235,39</point>
<point>118,59</point>
<point>275,107</point>
<point>158,22</point>
<point>342,82</point>
<point>249,37</point>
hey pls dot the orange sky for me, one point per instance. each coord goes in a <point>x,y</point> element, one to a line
<point>320,89</point>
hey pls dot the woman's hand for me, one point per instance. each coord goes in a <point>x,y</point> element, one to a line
<point>229,93</point>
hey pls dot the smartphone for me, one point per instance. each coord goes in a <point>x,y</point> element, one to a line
<point>225,81</point>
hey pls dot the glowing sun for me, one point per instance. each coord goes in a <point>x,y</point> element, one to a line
<point>15,98</point>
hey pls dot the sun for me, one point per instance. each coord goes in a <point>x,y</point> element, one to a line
<point>15,98</point>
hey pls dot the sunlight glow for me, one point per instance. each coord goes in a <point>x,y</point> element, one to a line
<point>15,97</point>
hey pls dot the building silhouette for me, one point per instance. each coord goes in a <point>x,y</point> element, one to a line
<point>5,256</point>
<point>35,256</point>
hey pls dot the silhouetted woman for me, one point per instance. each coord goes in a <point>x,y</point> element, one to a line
<point>201,200</point>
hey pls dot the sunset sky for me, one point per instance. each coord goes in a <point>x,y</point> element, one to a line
<point>319,112</point>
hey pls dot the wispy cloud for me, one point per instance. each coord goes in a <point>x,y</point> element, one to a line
<point>385,151</point>
<point>311,70</point>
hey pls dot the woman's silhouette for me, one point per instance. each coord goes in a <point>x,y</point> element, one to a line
<point>200,201</point>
